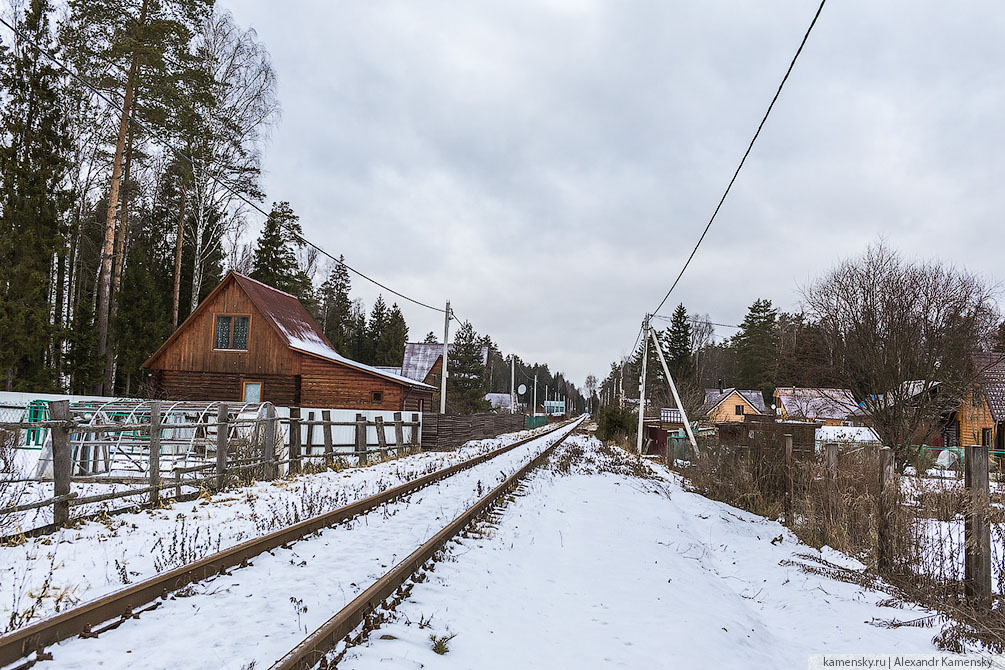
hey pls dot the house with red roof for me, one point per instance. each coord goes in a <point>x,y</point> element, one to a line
<point>249,342</point>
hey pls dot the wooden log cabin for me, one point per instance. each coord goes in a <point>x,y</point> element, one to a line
<point>250,342</point>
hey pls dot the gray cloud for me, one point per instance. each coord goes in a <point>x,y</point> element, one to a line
<point>548,165</point>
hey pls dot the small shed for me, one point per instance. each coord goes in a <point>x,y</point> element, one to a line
<point>249,342</point>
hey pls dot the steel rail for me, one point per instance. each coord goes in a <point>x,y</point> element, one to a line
<point>124,602</point>
<point>312,650</point>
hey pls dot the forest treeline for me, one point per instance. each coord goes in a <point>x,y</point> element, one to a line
<point>130,178</point>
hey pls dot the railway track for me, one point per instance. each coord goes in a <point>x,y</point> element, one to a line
<point>121,607</point>
<point>314,649</point>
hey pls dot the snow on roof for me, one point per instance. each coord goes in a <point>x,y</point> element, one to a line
<point>846,434</point>
<point>714,396</point>
<point>992,380</point>
<point>420,357</point>
<point>816,403</point>
<point>292,322</point>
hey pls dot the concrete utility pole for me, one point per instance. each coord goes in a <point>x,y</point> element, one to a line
<point>534,411</point>
<point>443,374</point>
<point>642,383</point>
<point>673,389</point>
<point>545,398</point>
<point>512,382</point>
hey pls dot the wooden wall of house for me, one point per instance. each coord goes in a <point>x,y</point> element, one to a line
<point>726,410</point>
<point>280,390</point>
<point>193,348</point>
<point>327,384</point>
<point>975,416</point>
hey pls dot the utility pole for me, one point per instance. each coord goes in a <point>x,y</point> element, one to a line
<point>443,374</point>
<point>534,411</point>
<point>642,383</point>
<point>512,381</point>
<point>545,398</point>
<point>676,396</point>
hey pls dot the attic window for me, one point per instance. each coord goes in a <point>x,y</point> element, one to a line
<point>231,332</point>
<point>377,397</point>
<point>739,410</point>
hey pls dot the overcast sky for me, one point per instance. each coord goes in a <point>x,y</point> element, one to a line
<point>547,165</point>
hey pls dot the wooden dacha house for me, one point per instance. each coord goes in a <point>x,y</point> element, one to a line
<point>250,342</point>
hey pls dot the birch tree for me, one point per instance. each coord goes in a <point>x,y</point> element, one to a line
<point>228,137</point>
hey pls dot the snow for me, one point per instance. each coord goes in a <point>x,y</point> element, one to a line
<point>260,612</point>
<point>847,434</point>
<point>82,560</point>
<point>594,569</point>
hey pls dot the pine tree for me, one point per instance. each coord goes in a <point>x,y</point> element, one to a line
<point>430,338</point>
<point>33,162</point>
<point>756,346</point>
<point>466,379</point>
<point>391,341</point>
<point>276,262</point>
<point>149,41</point>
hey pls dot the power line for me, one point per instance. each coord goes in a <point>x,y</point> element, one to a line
<point>745,154</point>
<point>694,320</point>
<point>219,180</point>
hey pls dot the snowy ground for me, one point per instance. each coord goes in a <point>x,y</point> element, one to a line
<point>593,569</point>
<point>260,612</point>
<point>50,573</point>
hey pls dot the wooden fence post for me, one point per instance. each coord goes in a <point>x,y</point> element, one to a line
<point>59,410</point>
<point>831,451</point>
<point>399,434</point>
<point>222,428</point>
<point>155,452</point>
<point>381,435</point>
<point>416,434</point>
<point>977,559</point>
<point>831,460</point>
<point>326,431</point>
<point>361,439</point>
<point>788,480</point>
<point>294,440</point>
<point>269,447</point>
<point>887,502</point>
<point>310,435</point>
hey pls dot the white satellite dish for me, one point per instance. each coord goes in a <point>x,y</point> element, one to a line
<point>521,389</point>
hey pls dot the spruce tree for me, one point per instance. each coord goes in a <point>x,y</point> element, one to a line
<point>374,327</point>
<point>276,262</point>
<point>466,379</point>
<point>756,346</point>
<point>391,340</point>
<point>336,305</point>
<point>33,163</point>
<point>679,357</point>
<point>430,338</point>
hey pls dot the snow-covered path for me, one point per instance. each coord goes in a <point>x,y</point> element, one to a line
<point>258,613</point>
<point>606,570</point>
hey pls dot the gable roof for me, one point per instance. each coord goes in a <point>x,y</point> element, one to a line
<point>816,403</point>
<point>420,357</point>
<point>715,397</point>
<point>292,323</point>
